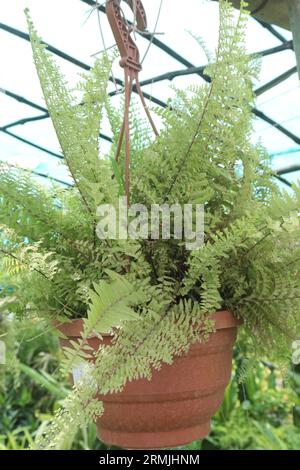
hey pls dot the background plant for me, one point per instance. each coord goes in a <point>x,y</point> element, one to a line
<point>257,414</point>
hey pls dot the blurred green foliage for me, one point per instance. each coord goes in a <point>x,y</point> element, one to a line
<point>258,414</point>
<point>261,413</point>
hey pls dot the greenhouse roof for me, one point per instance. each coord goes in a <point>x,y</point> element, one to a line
<point>74,31</point>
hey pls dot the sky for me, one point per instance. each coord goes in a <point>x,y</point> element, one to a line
<point>73,27</point>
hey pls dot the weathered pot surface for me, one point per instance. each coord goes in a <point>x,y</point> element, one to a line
<point>176,406</point>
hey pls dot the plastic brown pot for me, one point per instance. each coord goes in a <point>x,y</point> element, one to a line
<point>176,406</point>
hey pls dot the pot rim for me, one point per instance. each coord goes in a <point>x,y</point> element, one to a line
<point>223,319</point>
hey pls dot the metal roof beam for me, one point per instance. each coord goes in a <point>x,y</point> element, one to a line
<point>38,173</point>
<point>160,44</point>
<point>276,81</point>
<point>283,180</point>
<point>30,103</point>
<point>22,100</point>
<point>275,124</point>
<point>32,144</point>
<point>193,70</point>
<point>21,122</point>
<point>271,30</point>
<point>288,169</point>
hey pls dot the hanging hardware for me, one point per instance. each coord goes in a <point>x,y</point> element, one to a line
<point>130,62</point>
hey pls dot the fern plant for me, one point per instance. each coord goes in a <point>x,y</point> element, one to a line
<point>155,295</point>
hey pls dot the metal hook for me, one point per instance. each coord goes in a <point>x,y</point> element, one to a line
<point>130,61</point>
<point>127,47</point>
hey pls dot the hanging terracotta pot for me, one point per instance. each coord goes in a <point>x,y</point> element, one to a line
<point>176,406</point>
